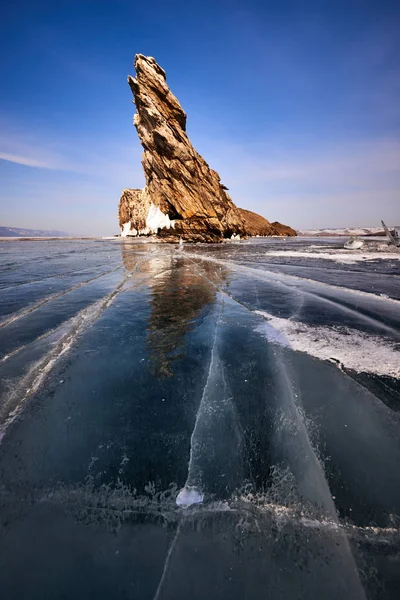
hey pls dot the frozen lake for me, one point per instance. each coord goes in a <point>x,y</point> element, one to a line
<point>215,422</point>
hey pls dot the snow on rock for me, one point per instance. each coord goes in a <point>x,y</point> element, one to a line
<point>156,220</point>
<point>127,230</point>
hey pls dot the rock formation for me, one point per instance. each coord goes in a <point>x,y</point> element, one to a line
<point>283,230</point>
<point>257,225</point>
<point>183,196</point>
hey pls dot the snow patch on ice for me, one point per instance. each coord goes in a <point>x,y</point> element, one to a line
<point>349,258</point>
<point>351,348</point>
<point>189,496</point>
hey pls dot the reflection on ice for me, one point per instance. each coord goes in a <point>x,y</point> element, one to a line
<point>178,297</point>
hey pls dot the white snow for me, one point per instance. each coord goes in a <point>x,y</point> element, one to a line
<point>155,220</point>
<point>126,230</point>
<point>352,348</point>
<point>188,496</point>
<point>349,257</point>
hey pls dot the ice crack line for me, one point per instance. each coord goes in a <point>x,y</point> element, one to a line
<point>291,279</point>
<point>38,373</point>
<point>292,287</point>
<point>56,276</point>
<point>187,492</point>
<point>191,492</point>
<point>51,331</point>
<point>166,563</point>
<point>33,307</point>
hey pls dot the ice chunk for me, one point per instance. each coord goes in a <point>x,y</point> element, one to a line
<point>354,244</point>
<point>189,495</point>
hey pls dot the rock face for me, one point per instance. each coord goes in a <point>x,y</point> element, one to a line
<point>284,230</point>
<point>183,196</point>
<point>257,225</point>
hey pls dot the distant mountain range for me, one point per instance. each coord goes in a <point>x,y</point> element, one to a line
<point>346,231</point>
<point>19,232</point>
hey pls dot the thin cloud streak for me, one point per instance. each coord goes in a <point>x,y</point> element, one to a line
<point>25,160</point>
<point>104,158</point>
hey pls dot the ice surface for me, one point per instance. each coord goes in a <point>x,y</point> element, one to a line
<point>182,412</point>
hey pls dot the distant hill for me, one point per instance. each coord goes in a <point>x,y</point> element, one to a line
<point>343,232</point>
<point>19,232</point>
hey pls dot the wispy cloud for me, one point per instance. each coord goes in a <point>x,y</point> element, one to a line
<point>27,161</point>
<point>31,149</point>
<point>101,158</point>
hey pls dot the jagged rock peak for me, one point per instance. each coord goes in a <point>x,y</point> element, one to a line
<point>183,197</point>
<point>181,191</point>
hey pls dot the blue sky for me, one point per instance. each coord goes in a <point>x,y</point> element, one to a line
<point>295,103</point>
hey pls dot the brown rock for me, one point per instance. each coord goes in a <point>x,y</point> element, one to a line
<point>183,196</point>
<point>283,230</point>
<point>130,207</point>
<point>255,224</point>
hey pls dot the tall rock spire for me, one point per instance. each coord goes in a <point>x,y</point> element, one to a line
<point>183,196</point>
